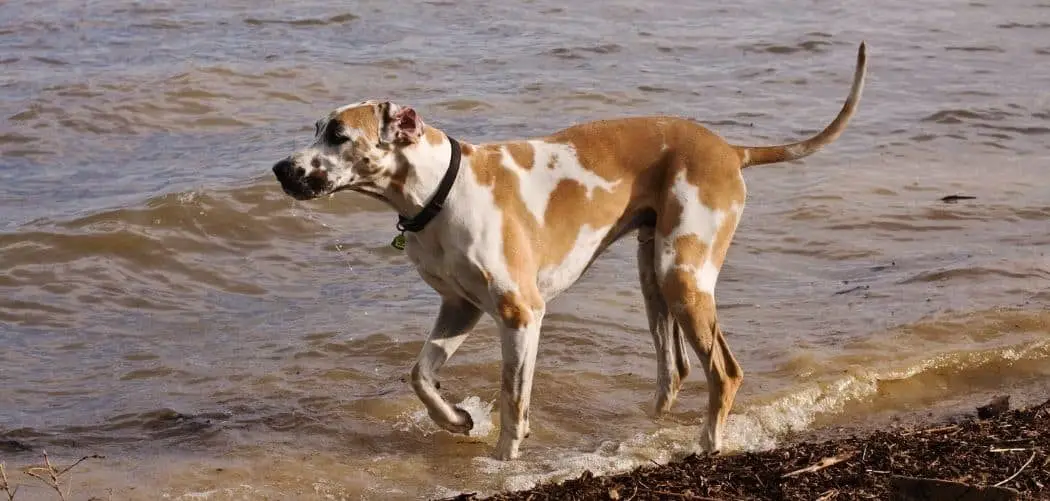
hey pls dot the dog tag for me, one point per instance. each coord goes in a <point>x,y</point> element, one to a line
<point>399,242</point>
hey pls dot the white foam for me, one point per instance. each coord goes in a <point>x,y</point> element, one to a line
<point>243,491</point>
<point>480,414</point>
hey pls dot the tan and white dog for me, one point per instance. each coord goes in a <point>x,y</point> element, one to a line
<point>523,220</point>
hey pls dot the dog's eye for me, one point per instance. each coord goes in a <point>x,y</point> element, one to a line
<point>334,135</point>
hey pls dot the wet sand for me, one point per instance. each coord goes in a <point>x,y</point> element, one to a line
<point>988,456</point>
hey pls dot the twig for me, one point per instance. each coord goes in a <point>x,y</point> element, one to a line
<point>1015,449</point>
<point>53,475</point>
<point>5,485</point>
<point>931,430</point>
<point>684,496</point>
<point>820,465</point>
<point>81,460</point>
<point>878,471</point>
<point>1025,465</point>
<point>828,494</point>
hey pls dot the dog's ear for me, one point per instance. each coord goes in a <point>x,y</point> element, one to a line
<point>401,124</point>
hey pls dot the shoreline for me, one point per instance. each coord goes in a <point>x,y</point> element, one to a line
<point>993,453</point>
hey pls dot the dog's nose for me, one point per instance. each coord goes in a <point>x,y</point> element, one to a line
<point>284,169</point>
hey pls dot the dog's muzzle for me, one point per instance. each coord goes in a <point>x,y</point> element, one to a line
<point>297,183</point>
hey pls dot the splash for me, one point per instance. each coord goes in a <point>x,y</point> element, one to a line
<point>480,413</point>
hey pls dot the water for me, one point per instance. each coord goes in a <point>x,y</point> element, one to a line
<point>165,305</point>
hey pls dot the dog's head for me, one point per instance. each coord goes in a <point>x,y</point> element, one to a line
<point>357,147</point>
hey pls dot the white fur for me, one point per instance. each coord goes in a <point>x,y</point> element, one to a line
<point>697,220</point>
<point>554,279</point>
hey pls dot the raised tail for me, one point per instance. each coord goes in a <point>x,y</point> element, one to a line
<point>759,155</point>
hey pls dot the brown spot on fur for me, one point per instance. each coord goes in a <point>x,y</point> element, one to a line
<point>522,154</point>
<point>434,136</point>
<point>671,214</point>
<point>569,208</point>
<point>681,289</point>
<point>513,311</point>
<point>363,119</point>
<point>689,251</point>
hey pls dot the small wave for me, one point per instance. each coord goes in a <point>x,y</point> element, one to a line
<point>811,46</point>
<point>977,48</point>
<point>300,23</point>
<point>464,105</point>
<point>1013,25</point>
<point>957,116</point>
<point>1027,131</point>
<point>575,52</point>
<point>973,273</point>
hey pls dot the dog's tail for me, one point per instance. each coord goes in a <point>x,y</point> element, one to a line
<point>771,154</point>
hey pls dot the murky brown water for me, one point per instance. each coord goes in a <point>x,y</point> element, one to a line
<point>165,305</point>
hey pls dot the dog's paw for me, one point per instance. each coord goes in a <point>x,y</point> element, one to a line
<point>506,449</point>
<point>468,422</point>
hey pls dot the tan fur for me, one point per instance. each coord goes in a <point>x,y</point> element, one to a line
<point>522,154</point>
<point>433,136</point>
<point>514,311</point>
<point>362,118</point>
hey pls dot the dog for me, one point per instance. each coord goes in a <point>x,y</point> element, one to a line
<point>502,228</point>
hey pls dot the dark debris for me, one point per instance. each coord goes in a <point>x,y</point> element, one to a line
<point>972,451</point>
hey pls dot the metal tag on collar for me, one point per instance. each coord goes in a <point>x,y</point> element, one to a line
<point>399,242</point>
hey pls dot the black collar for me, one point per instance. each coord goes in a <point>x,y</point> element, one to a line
<point>437,202</point>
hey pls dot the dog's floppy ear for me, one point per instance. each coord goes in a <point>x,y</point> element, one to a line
<point>401,124</point>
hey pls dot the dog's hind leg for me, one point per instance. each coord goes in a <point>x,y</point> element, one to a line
<point>691,244</point>
<point>672,362</point>
<point>455,319</point>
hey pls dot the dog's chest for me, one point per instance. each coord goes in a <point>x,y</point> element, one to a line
<point>450,265</point>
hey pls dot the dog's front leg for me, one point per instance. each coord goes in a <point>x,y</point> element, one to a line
<point>519,339</point>
<point>455,319</point>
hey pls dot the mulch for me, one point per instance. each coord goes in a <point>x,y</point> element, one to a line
<point>980,452</point>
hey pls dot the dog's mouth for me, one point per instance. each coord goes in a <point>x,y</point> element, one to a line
<point>300,185</point>
<point>306,188</point>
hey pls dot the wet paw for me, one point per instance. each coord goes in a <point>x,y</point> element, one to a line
<point>468,422</point>
<point>507,449</point>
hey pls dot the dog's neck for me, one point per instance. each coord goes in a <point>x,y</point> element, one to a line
<point>418,174</point>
